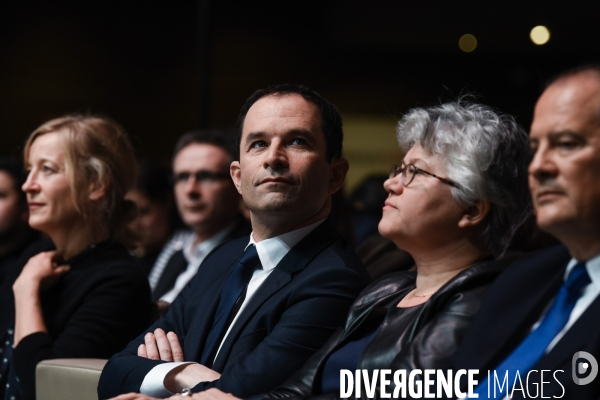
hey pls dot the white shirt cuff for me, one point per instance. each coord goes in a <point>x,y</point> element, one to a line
<point>154,381</point>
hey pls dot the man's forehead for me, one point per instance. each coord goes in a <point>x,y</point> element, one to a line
<point>572,103</point>
<point>201,156</point>
<point>283,109</point>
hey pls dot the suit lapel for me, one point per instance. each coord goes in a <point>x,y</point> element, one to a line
<point>294,261</point>
<point>207,300</point>
<point>176,265</point>
<point>528,310</point>
<point>512,306</point>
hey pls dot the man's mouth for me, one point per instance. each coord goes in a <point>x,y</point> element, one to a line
<point>547,195</point>
<point>276,180</point>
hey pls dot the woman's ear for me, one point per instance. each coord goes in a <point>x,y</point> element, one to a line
<point>97,190</point>
<point>475,214</point>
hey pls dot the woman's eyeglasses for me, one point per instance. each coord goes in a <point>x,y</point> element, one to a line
<point>408,172</point>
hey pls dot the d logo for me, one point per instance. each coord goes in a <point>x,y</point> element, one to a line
<point>582,367</point>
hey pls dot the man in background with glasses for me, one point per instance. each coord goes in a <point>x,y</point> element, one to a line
<point>208,204</point>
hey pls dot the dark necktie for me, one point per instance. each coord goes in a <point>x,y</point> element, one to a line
<point>234,287</point>
<point>533,347</point>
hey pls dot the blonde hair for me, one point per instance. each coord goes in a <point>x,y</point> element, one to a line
<point>97,151</point>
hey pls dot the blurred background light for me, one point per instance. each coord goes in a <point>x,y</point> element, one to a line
<point>540,35</point>
<point>467,43</point>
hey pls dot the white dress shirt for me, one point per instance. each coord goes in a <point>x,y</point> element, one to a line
<point>176,243</point>
<point>194,254</point>
<point>270,252</point>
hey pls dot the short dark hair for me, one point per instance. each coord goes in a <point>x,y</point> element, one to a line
<point>216,137</point>
<point>15,169</point>
<point>331,120</point>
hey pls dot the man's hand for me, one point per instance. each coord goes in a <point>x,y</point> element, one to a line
<point>161,346</point>
<point>139,396</point>
<point>188,376</point>
<point>211,394</point>
<point>214,394</point>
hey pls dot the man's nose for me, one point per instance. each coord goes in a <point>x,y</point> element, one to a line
<point>276,157</point>
<point>192,187</point>
<point>543,165</point>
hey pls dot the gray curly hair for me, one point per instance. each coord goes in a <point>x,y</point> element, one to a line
<point>485,152</point>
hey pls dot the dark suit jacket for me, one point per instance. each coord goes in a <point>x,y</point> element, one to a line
<point>514,303</point>
<point>84,311</point>
<point>167,280</point>
<point>293,313</point>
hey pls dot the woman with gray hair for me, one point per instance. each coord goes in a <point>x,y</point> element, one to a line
<point>454,203</point>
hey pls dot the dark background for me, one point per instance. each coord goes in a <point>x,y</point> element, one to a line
<point>161,68</point>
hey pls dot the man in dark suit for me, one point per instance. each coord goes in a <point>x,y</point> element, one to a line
<point>208,204</point>
<point>248,336</point>
<point>544,310</point>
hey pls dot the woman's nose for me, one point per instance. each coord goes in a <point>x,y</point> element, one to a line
<point>30,183</point>
<point>393,185</point>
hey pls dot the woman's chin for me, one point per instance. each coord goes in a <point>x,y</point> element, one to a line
<point>39,224</point>
<point>386,230</point>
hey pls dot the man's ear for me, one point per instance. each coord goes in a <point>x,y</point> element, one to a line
<point>97,190</point>
<point>235,171</point>
<point>475,214</point>
<point>337,174</point>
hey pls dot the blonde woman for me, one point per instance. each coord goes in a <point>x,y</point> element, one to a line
<point>81,293</point>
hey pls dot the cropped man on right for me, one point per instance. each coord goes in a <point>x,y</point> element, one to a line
<point>538,331</point>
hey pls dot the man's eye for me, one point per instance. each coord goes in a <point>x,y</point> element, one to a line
<point>182,177</point>
<point>533,148</point>
<point>298,142</point>
<point>258,143</point>
<point>567,145</point>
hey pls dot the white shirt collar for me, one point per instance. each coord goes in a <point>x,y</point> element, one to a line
<point>200,251</point>
<point>593,268</point>
<point>272,250</point>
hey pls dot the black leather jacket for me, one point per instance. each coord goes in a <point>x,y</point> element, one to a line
<point>434,334</point>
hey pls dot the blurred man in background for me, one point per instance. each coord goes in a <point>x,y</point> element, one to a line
<point>209,206</point>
